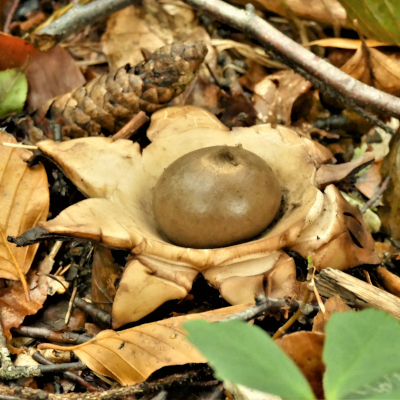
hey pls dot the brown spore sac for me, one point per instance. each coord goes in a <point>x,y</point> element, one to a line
<point>215,197</point>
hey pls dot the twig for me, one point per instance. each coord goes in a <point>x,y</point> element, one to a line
<point>112,394</point>
<point>20,146</point>
<point>76,19</point>
<point>7,370</point>
<point>10,15</point>
<point>132,126</point>
<point>282,330</point>
<point>270,306</point>
<point>355,292</point>
<point>51,335</point>
<point>71,302</point>
<point>67,373</point>
<point>376,195</point>
<point>93,311</point>
<point>323,75</point>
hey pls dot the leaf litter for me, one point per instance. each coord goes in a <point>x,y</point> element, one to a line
<point>137,276</point>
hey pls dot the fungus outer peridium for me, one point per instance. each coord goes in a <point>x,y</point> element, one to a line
<point>216,196</point>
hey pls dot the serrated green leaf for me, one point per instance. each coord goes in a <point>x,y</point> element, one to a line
<point>13,91</point>
<point>377,19</point>
<point>244,354</point>
<point>362,356</point>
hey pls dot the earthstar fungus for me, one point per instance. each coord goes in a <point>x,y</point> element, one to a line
<point>119,180</point>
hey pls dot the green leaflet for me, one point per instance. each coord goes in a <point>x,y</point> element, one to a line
<point>377,19</point>
<point>13,91</point>
<point>245,354</point>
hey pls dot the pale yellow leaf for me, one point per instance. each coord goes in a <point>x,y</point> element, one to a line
<point>24,201</point>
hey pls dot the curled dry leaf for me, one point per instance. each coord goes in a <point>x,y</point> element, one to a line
<point>119,181</point>
<point>275,95</point>
<point>332,305</point>
<point>305,349</point>
<point>104,274</point>
<point>325,11</point>
<point>132,355</point>
<point>148,27</point>
<point>24,201</point>
<point>372,66</point>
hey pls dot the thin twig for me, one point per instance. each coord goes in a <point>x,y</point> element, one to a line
<point>112,394</point>
<point>93,311</point>
<point>323,75</point>
<point>282,330</point>
<point>66,372</point>
<point>76,19</point>
<point>132,126</point>
<point>20,146</point>
<point>71,302</point>
<point>266,306</point>
<point>7,370</point>
<point>51,335</point>
<point>10,15</point>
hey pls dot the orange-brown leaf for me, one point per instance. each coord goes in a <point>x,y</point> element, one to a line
<point>24,201</point>
<point>132,355</point>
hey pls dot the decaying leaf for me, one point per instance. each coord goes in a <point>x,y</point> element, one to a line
<point>126,35</point>
<point>275,95</point>
<point>24,201</point>
<point>389,212</point>
<point>332,305</point>
<point>305,349</point>
<point>372,66</point>
<point>15,52</point>
<point>148,27</point>
<point>14,306</point>
<point>104,274</point>
<point>325,11</point>
<point>108,102</point>
<point>119,181</point>
<point>45,79</point>
<point>132,355</point>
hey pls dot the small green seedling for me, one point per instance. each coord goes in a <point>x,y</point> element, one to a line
<point>361,354</point>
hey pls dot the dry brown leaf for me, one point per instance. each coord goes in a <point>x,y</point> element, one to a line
<point>14,306</point>
<point>46,81</point>
<point>148,27</point>
<point>305,349</point>
<point>275,95</point>
<point>369,181</point>
<point>332,305</point>
<point>126,34</point>
<point>24,201</point>
<point>104,274</point>
<point>390,281</point>
<point>325,11</point>
<point>119,179</point>
<point>374,67</point>
<point>132,355</point>
<point>389,212</point>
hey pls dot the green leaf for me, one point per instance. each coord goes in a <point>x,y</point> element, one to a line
<point>244,354</point>
<point>362,356</point>
<point>377,19</point>
<point>13,91</point>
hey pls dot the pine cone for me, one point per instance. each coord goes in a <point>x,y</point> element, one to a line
<point>107,103</point>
